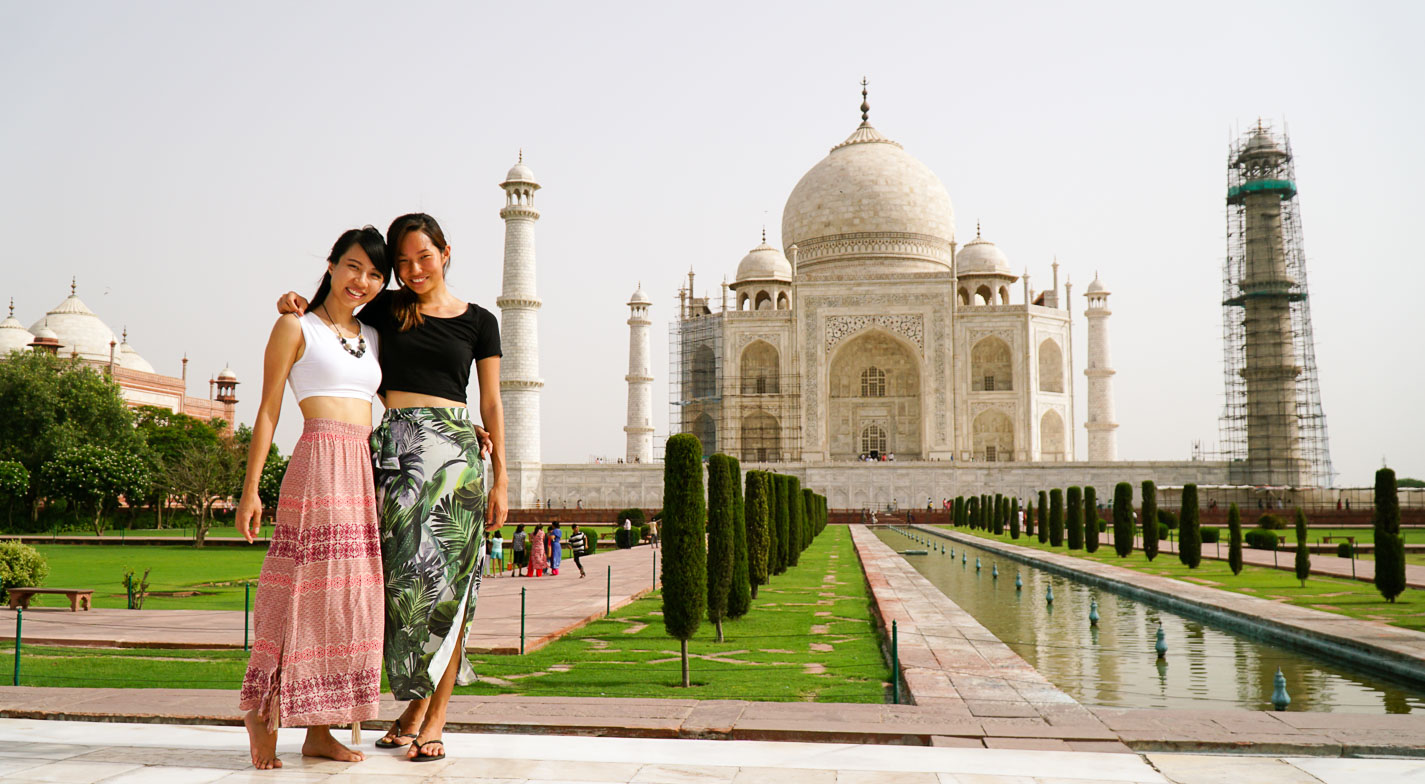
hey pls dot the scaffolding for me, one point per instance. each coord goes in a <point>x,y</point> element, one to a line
<point>1272,425</point>
<point>752,413</point>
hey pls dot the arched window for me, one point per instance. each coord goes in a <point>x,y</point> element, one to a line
<point>764,301</point>
<point>991,368</point>
<point>873,439</point>
<point>1051,367</point>
<point>706,430</point>
<point>965,297</point>
<point>782,302</point>
<point>1004,295</point>
<point>761,438</point>
<point>984,295</point>
<point>742,300</point>
<point>759,369</point>
<point>1051,436</point>
<point>704,373</point>
<point>993,437</point>
<point>873,382</point>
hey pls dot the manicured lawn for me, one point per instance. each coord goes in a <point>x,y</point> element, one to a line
<point>809,636</point>
<point>1352,598</point>
<point>216,574</point>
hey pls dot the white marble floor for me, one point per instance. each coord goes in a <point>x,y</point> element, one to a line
<point>89,753</point>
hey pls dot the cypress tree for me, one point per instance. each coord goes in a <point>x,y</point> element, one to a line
<point>1014,519</point>
<point>1001,511</point>
<point>1091,519</point>
<point>1189,529</point>
<point>775,564</point>
<point>1076,518</point>
<point>796,540</point>
<point>1390,546</point>
<point>719,539</point>
<point>784,522</point>
<point>1234,540</point>
<point>684,550</point>
<point>972,510</point>
<point>1028,519</point>
<point>1043,519</point>
<point>1123,519</point>
<point>808,516</point>
<point>758,529</point>
<point>1056,517</point>
<point>1150,519</point>
<point>957,512</point>
<point>739,598</point>
<point>1303,556</point>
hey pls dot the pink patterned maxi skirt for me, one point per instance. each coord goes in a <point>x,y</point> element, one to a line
<point>316,655</point>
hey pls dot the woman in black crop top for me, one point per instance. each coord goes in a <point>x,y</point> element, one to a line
<point>430,484</point>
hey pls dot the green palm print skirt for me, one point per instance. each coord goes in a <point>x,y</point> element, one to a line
<point>430,495</point>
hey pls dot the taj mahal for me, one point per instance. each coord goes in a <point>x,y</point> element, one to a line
<point>873,354</point>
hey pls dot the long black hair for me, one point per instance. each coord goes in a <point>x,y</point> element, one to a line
<point>371,241</point>
<point>404,303</point>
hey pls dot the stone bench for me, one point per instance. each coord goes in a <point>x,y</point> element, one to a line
<point>20,597</point>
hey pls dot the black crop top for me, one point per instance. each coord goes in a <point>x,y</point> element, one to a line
<point>434,358</point>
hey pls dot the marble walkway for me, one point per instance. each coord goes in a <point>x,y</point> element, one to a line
<point>85,753</point>
<point>553,606</point>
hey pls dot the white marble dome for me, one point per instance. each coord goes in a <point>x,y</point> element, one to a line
<point>764,262</point>
<point>639,298</point>
<point>128,358</point>
<point>14,336</point>
<point>78,329</point>
<point>1096,287</point>
<point>981,257</point>
<point>870,200</point>
<point>227,374</point>
<point>520,173</point>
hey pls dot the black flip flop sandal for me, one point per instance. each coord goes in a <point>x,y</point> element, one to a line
<point>382,743</point>
<point>420,757</point>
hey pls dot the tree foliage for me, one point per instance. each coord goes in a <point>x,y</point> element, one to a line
<point>758,519</point>
<point>1043,519</point>
<point>784,522</point>
<point>93,478</point>
<point>721,503</point>
<point>739,598</point>
<point>1390,546</point>
<point>14,485</point>
<point>21,566</point>
<point>1075,515</point>
<point>1189,529</point>
<point>684,551</point>
<point>274,469</point>
<point>1149,516</point>
<point>202,476</point>
<point>1303,555</point>
<point>796,520</point>
<point>1056,517</point>
<point>1014,519</point>
<point>1091,519</point>
<point>1123,519</point>
<point>1234,539</point>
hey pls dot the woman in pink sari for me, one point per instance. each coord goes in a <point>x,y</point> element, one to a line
<point>316,656</point>
<point>538,558</point>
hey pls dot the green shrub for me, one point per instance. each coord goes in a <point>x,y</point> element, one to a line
<point>1123,519</point>
<point>592,536</point>
<point>1270,522</point>
<point>796,520</point>
<point>633,515</point>
<point>784,522</point>
<point>1043,517</point>
<point>1303,555</point>
<point>684,562</point>
<point>1168,518</point>
<point>1151,533</point>
<point>1210,535</point>
<point>719,538</point>
<point>1343,550</point>
<point>739,598</point>
<point>1076,518</point>
<point>1028,519</point>
<point>756,514</point>
<point>1259,539</point>
<point>1014,519</point>
<point>625,539</point>
<point>1390,546</point>
<point>21,566</point>
<point>1189,535</point>
<point>1092,523</point>
<point>1056,517</point>
<point>1234,533</point>
<point>644,532</point>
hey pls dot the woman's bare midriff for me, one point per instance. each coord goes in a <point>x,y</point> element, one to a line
<point>343,409</point>
<point>398,399</point>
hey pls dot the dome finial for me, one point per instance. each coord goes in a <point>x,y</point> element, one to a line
<point>977,228</point>
<point>764,234</point>
<point>521,160</point>
<point>12,307</point>
<point>73,284</point>
<point>865,102</point>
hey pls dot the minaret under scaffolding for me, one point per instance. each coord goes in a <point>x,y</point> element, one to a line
<point>1273,428</point>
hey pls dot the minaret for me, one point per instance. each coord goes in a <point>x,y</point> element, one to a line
<point>639,429</point>
<point>1103,430</point>
<point>519,335</point>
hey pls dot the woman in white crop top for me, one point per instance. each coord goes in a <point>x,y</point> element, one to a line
<point>319,615</point>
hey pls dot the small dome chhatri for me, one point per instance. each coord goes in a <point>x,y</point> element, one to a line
<point>227,374</point>
<point>639,298</point>
<point>520,174</point>
<point>1096,287</point>
<point>981,257</point>
<point>764,262</point>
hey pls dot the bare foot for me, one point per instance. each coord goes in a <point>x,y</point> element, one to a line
<point>261,741</point>
<point>409,722</point>
<point>320,743</point>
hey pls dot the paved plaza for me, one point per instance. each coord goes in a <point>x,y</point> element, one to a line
<point>87,753</point>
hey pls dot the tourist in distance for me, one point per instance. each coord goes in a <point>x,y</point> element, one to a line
<point>316,655</point>
<point>578,546</point>
<point>538,556</point>
<point>430,479</point>
<point>521,545</point>
<point>556,547</point>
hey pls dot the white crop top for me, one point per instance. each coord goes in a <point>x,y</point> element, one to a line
<point>328,370</point>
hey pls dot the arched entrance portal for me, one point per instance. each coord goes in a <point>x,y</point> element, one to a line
<point>874,387</point>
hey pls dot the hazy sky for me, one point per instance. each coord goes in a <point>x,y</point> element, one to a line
<point>191,161</point>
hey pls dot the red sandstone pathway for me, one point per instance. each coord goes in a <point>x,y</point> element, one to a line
<point>553,607</point>
<point>1324,564</point>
